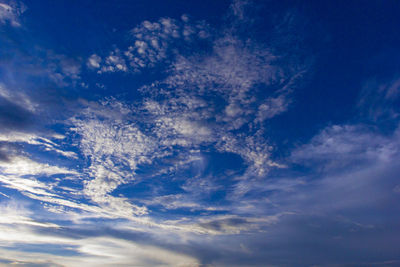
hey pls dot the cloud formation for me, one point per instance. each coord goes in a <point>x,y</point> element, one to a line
<point>152,44</point>
<point>10,12</point>
<point>183,143</point>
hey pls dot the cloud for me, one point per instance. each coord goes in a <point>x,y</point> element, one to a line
<point>13,214</point>
<point>115,149</point>
<point>354,163</point>
<point>40,140</point>
<point>211,99</point>
<point>378,100</point>
<point>20,166</point>
<point>208,105</point>
<point>81,248</point>
<point>21,173</point>
<point>342,146</point>
<point>13,116</point>
<point>230,224</point>
<point>351,181</point>
<point>9,13</point>
<point>18,98</point>
<point>46,66</point>
<point>114,62</point>
<point>152,43</point>
<point>237,8</point>
<point>62,70</point>
<point>94,61</point>
<point>232,73</point>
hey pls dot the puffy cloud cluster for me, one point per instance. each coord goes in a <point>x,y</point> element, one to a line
<point>153,42</point>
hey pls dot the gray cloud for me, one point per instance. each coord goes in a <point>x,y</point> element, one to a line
<point>13,116</point>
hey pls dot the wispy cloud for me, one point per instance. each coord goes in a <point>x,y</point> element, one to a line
<point>82,248</point>
<point>340,146</point>
<point>378,100</point>
<point>10,12</point>
<point>20,165</point>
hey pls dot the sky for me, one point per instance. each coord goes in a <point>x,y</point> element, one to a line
<point>199,133</point>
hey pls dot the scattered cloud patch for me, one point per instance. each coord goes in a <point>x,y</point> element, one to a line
<point>9,13</point>
<point>152,43</point>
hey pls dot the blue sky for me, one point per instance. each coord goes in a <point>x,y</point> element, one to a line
<point>199,133</point>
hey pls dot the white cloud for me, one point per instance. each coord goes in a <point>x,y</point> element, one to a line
<point>13,214</point>
<point>94,61</point>
<point>217,100</point>
<point>25,185</point>
<point>252,149</point>
<point>61,69</point>
<point>89,250</point>
<point>356,169</point>
<point>211,103</point>
<point>9,13</point>
<point>182,112</point>
<point>19,98</point>
<point>115,149</point>
<point>153,42</point>
<point>210,99</point>
<point>238,8</point>
<point>22,174</point>
<point>42,64</point>
<point>339,146</point>
<point>377,100</point>
<point>41,141</point>
<point>113,62</point>
<point>190,113</point>
<point>271,107</point>
<point>21,166</point>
